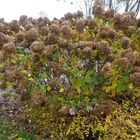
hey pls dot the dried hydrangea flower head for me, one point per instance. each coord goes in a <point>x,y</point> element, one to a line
<point>111,33</point>
<point>22,19</point>
<point>138,22</point>
<point>14,25</point>
<point>67,23</point>
<point>97,9</point>
<point>37,46</point>
<point>55,28</point>
<point>80,25</point>
<point>91,23</point>
<point>79,14</point>
<point>2,27</point>
<point>69,16</point>
<point>32,35</point>
<point>125,42</point>
<point>62,42</point>
<point>44,30</point>
<point>9,47</point>
<point>66,31</point>
<point>20,36</point>
<point>110,13</point>
<point>103,46</point>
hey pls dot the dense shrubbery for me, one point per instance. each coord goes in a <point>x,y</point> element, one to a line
<point>81,76</point>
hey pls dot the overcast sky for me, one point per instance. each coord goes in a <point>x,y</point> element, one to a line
<point>12,9</point>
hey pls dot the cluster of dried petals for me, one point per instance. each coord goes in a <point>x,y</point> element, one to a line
<point>125,42</point>
<point>62,42</point>
<point>110,57</point>
<point>124,63</point>
<point>14,25</point>
<point>80,25</point>
<point>138,23</point>
<point>51,39</point>
<point>66,31</point>
<point>91,23</point>
<point>109,13</point>
<point>54,28</point>
<point>67,23</point>
<point>22,19</point>
<point>98,8</point>
<point>9,47</point>
<point>44,30</point>
<point>111,33</point>
<point>37,46</point>
<point>69,16</point>
<point>2,27</point>
<point>2,55</point>
<point>48,50</point>
<point>103,46</point>
<point>38,99</point>
<point>32,35</point>
<point>20,37</point>
<point>3,38</point>
<point>79,14</point>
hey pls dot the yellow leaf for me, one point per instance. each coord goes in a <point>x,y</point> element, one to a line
<point>31,79</point>
<point>29,75</point>
<point>19,139</point>
<point>61,90</point>
<point>49,88</point>
<point>113,92</point>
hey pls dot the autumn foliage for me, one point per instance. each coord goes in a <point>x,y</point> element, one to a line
<point>75,72</point>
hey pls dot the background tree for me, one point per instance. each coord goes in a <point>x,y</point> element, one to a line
<point>117,5</point>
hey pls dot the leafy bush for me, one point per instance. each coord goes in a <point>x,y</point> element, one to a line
<point>73,71</point>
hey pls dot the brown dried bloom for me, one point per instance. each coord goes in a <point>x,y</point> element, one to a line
<point>126,19</point>
<point>20,37</point>
<point>138,32</point>
<point>44,30</point>
<point>51,39</point>
<point>68,16</point>
<point>79,14</point>
<point>80,25</point>
<point>125,42</point>
<point>3,38</point>
<point>2,27</point>
<point>37,46</point>
<point>137,63</point>
<point>138,22</point>
<point>38,99</point>
<point>124,63</point>
<point>111,33</point>
<point>54,28</point>
<point>9,47</point>
<point>28,26</point>
<point>22,19</point>
<point>14,25</point>
<point>67,23</point>
<point>135,78</point>
<point>103,46</point>
<point>66,31</point>
<point>91,23</point>
<point>98,8</point>
<point>64,110</point>
<point>48,50</point>
<point>110,13</point>
<point>1,55</point>
<point>126,52</point>
<point>110,57</point>
<point>32,35</point>
<point>62,42</point>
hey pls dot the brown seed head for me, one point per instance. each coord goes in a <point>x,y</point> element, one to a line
<point>37,46</point>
